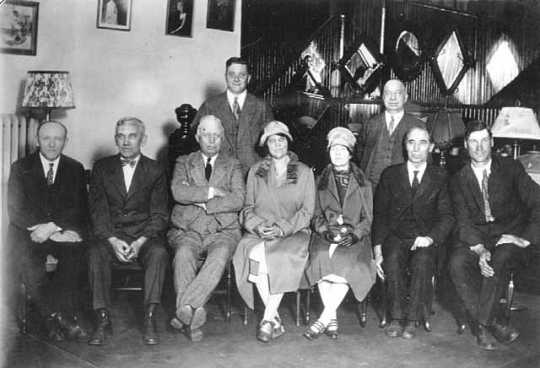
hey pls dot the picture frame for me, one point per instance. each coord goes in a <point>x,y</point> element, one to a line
<point>221,14</point>
<point>114,14</point>
<point>19,26</point>
<point>179,18</point>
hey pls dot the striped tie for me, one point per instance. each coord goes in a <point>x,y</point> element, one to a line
<point>236,108</point>
<point>485,197</point>
<point>50,174</point>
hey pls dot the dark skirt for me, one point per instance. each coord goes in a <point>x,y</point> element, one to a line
<point>355,264</point>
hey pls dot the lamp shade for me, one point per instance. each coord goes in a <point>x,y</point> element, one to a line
<point>48,89</point>
<point>446,126</point>
<point>516,123</point>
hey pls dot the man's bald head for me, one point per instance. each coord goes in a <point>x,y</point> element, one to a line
<point>209,135</point>
<point>394,96</point>
<point>51,137</point>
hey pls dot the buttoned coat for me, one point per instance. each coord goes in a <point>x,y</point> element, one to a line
<point>514,200</point>
<point>431,205</point>
<point>354,263</point>
<point>143,211</point>
<point>254,115</point>
<point>189,186</point>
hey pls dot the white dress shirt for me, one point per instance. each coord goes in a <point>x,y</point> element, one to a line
<point>478,171</point>
<point>46,165</point>
<point>241,99</point>
<point>397,118</point>
<point>129,171</point>
<point>411,169</point>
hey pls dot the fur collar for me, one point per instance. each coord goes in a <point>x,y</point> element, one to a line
<point>292,168</point>
<point>355,171</point>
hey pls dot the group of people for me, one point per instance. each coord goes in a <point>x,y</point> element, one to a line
<point>282,229</point>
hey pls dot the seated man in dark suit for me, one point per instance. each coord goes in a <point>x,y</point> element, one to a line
<point>412,216</point>
<point>497,209</point>
<point>129,211</point>
<point>47,211</point>
<point>208,188</point>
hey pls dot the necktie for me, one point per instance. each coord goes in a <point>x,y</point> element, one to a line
<point>391,124</point>
<point>50,174</point>
<point>236,108</point>
<point>415,182</point>
<point>485,197</point>
<point>208,169</point>
<point>127,161</point>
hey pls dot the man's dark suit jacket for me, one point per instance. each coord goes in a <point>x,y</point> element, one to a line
<point>143,211</point>
<point>372,130</point>
<point>431,205</point>
<point>255,114</point>
<point>32,202</point>
<point>514,199</point>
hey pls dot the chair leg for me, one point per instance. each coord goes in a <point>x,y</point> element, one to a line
<point>384,304</point>
<point>509,297</point>
<point>308,307</point>
<point>23,309</point>
<point>228,296</point>
<point>298,297</point>
<point>246,311</point>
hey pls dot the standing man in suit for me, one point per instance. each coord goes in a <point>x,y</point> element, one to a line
<point>498,216</point>
<point>242,114</point>
<point>412,216</point>
<point>129,212</point>
<point>47,212</point>
<point>208,189</point>
<point>380,143</point>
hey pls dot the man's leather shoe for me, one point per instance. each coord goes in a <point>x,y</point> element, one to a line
<point>504,333</point>
<point>150,336</point>
<point>54,332</point>
<point>409,332</point>
<point>484,339</point>
<point>199,318</point>
<point>185,314</point>
<point>71,328</point>
<point>264,333</point>
<point>394,329</point>
<point>103,326</point>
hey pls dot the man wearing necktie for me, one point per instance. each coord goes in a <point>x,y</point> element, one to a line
<point>208,190</point>
<point>498,218</point>
<point>129,213</point>
<point>242,115</point>
<point>380,141</point>
<point>412,216</point>
<point>47,210</point>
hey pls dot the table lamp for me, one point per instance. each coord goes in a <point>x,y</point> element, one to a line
<point>446,126</point>
<point>48,90</point>
<point>516,123</point>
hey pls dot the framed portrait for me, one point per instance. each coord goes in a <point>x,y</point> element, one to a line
<point>179,18</point>
<point>18,27</point>
<point>114,14</point>
<point>221,15</point>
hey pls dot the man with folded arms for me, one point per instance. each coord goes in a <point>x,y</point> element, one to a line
<point>208,189</point>
<point>497,207</point>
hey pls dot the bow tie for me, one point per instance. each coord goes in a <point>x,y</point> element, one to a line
<point>127,161</point>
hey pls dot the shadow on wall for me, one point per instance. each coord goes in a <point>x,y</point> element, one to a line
<point>212,90</point>
<point>168,127</point>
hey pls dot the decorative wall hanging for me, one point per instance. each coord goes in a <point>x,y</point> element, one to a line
<point>179,18</point>
<point>362,68</point>
<point>221,14</point>
<point>114,14</point>
<point>19,21</point>
<point>407,56</point>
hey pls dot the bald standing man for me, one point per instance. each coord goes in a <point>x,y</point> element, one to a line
<point>208,190</point>
<point>47,209</point>
<point>380,143</point>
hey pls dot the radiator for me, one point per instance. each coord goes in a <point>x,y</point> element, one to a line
<point>17,138</point>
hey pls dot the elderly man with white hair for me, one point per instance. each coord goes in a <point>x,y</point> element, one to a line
<point>208,190</point>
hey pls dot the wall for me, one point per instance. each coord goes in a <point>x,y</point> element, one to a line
<point>142,73</point>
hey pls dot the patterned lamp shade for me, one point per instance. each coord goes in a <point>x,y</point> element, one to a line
<point>516,123</point>
<point>446,126</point>
<point>48,89</point>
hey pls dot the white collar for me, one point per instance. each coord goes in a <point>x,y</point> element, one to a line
<point>411,169</point>
<point>212,159</point>
<point>241,98</point>
<point>397,117</point>
<point>45,164</point>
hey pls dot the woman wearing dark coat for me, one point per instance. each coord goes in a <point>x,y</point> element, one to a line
<point>340,249</point>
<point>278,208</point>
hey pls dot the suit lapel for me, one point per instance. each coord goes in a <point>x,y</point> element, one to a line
<point>404,183</point>
<point>218,171</point>
<point>245,117</point>
<point>197,169</point>
<point>425,183</point>
<point>138,177</point>
<point>472,183</point>
<point>117,175</point>
<point>36,171</point>
<point>226,110</point>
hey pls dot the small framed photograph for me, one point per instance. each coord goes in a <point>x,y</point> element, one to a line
<point>114,14</point>
<point>179,18</point>
<point>221,15</point>
<point>18,27</point>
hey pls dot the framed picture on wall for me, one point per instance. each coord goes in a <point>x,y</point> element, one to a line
<point>114,14</point>
<point>18,30</point>
<point>179,18</point>
<point>221,15</point>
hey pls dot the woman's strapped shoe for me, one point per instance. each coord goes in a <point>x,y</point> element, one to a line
<point>332,329</point>
<point>265,331</point>
<point>278,328</point>
<point>315,330</point>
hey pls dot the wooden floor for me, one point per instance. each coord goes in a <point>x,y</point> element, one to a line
<point>234,345</point>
